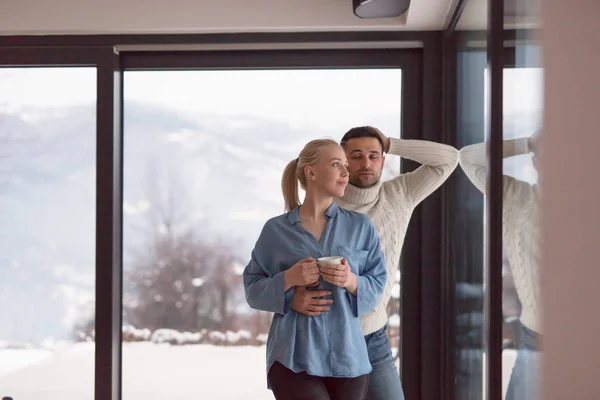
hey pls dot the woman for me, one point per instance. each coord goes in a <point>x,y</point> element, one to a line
<point>323,357</point>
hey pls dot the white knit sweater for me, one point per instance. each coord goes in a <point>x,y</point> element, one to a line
<point>520,225</point>
<point>391,203</point>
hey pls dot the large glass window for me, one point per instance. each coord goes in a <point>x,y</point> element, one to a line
<point>522,202</point>
<point>204,153</point>
<point>520,210</point>
<point>521,239</point>
<point>47,232</point>
<point>466,203</point>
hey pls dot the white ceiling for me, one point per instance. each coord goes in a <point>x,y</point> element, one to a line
<point>201,16</point>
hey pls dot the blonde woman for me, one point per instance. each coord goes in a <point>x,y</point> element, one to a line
<point>390,205</point>
<point>324,357</point>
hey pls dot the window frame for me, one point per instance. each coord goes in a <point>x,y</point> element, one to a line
<point>500,45</point>
<point>418,54</point>
<point>109,190</point>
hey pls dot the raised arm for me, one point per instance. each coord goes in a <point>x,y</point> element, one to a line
<point>473,159</point>
<point>263,284</point>
<point>372,279</point>
<point>437,163</point>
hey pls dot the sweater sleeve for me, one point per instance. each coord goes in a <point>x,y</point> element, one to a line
<point>438,162</point>
<point>264,286</point>
<point>473,161</point>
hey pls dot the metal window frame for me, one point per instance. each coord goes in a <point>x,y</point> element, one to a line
<point>417,53</point>
<point>108,254</point>
<point>493,278</point>
<point>411,63</point>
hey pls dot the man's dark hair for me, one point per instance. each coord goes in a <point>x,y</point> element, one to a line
<point>362,132</point>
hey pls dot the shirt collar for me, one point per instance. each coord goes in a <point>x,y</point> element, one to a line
<point>294,215</point>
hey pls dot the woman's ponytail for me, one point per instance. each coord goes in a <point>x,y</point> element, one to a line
<point>289,186</point>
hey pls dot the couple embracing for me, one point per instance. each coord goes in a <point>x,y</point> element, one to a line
<point>326,267</point>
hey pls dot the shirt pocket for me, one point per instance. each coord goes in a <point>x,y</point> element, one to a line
<point>356,258</point>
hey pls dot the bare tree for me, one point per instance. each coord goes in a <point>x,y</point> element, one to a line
<point>179,279</point>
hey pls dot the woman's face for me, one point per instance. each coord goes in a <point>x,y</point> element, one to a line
<point>329,176</point>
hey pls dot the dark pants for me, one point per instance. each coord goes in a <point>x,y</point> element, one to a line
<point>288,385</point>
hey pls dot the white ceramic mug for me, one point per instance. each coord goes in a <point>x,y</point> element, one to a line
<point>323,261</point>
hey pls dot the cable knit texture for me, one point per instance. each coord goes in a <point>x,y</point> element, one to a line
<point>391,203</point>
<point>521,211</point>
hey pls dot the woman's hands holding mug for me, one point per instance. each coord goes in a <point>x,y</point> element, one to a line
<point>304,272</point>
<point>340,275</point>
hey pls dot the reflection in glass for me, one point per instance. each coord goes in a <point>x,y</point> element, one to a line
<point>521,212</point>
<point>466,205</point>
<point>521,227</point>
<point>521,224</point>
<point>204,151</point>
<point>47,232</point>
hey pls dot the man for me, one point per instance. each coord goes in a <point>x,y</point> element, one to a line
<point>521,213</point>
<point>390,205</point>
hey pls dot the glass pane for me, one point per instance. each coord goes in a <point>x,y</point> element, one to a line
<point>521,267</point>
<point>467,205</point>
<point>204,155</point>
<point>47,232</point>
<point>522,119</point>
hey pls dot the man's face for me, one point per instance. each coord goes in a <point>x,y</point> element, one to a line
<point>365,161</point>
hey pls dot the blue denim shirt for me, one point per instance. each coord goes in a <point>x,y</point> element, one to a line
<point>331,344</point>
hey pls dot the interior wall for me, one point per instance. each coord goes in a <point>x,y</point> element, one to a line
<point>571,196</point>
<point>200,16</point>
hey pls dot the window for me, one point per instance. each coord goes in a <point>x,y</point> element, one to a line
<point>522,308</point>
<point>47,232</point>
<point>204,153</point>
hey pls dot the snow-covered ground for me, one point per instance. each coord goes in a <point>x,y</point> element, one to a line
<point>15,359</point>
<point>150,372</point>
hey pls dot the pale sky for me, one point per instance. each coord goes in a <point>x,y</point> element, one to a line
<point>523,90</point>
<point>297,97</point>
<point>292,96</point>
